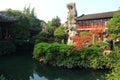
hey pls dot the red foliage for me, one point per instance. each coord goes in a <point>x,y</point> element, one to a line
<point>96,32</point>
<point>80,41</point>
<point>93,29</point>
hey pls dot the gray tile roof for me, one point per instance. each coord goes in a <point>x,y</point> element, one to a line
<point>96,16</point>
<point>4,18</point>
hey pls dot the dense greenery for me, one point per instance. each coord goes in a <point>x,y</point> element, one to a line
<point>61,54</point>
<point>12,13</point>
<point>115,73</point>
<point>52,25</point>
<point>56,22</point>
<point>114,30</point>
<point>60,34</point>
<point>114,25</point>
<point>41,37</point>
<point>19,32</point>
<point>21,29</point>
<point>67,56</point>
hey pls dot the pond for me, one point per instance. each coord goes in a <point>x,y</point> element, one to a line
<point>24,67</point>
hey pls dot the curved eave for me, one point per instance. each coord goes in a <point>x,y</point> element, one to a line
<point>6,19</point>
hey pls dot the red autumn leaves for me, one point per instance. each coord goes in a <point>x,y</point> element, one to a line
<point>86,40</point>
<point>80,42</point>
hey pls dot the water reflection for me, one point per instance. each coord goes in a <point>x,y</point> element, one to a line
<point>25,68</point>
<point>37,77</point>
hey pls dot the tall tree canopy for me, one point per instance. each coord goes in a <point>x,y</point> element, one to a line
<point>53,24</point>
<point>20,30</point>
<point>56,22</point>
<point>114,25</point>
<point>60,34</point>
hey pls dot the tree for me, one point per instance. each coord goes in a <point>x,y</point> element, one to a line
<point>114,25</point>
<point>20,30</point>
<point>41,37</point>
<point>56,22</point>
<point>12,13</point>
<point>50,28</point>
<point>52,25</point>
<point>60,34</point>
<point>29,14</point>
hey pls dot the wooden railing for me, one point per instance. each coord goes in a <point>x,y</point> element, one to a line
<point>79,27</point>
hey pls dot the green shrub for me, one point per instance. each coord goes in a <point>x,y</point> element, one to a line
<point>103,45</point>
<point>40,50</point>
<point>115,60</point>
<point>92,51</point>
<point>60,34</point>
<point>41,37</point>
<point>115,74</point>
<point>66,49</point>
<point>90,57</point>
<point>67,56</point>
<point>54,53</point>
<point>6,47</point>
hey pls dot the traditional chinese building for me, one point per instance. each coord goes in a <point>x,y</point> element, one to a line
<point>5,23</point>
<point>94,22</point>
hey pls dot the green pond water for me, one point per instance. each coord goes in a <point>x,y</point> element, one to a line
<point>23,67</point>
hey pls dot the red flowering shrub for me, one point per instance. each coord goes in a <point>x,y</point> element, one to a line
<point>82,41</point>
<point>86,38</point>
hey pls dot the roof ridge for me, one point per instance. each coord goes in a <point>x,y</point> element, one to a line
<point>100,13</point>
<point>96,15</point>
